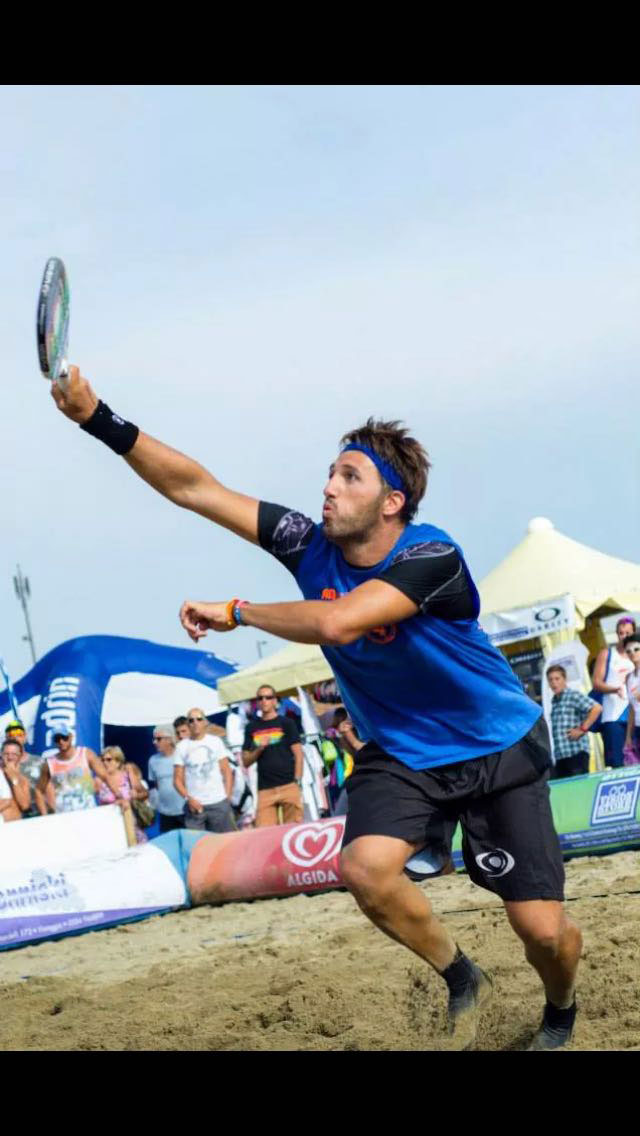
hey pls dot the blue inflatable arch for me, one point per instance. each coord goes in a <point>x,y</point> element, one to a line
<point>71,681</point>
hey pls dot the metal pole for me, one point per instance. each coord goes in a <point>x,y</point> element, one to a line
<point>23,592</point>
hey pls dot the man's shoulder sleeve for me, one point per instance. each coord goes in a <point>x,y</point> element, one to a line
<point>422,570</point>
<point>285,533</point>
<point>179,755</point>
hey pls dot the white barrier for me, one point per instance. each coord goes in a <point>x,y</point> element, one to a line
<point>42,902</point>
<point>62,838</point>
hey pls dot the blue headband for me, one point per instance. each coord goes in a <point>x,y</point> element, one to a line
<point>391,476</point>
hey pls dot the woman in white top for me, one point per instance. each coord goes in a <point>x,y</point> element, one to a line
<point>609,676</point>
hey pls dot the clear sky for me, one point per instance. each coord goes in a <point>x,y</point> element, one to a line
<point>255,270</point>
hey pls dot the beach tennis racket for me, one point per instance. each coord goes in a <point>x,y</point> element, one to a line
<point>52,321</point>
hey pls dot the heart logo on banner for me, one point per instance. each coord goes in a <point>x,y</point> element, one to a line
<point>308,844</point>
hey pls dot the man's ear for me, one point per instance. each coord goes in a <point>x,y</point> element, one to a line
<point>394,503</point>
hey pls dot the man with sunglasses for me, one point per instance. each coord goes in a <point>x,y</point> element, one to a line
<point>160,776</point>
<point>274,742</point>
<point>202,776</point>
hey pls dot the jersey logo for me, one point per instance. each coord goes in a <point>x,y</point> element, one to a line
<point>329,594</point>
<point>385,634</point>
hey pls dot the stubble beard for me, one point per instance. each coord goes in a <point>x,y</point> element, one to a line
<point>350,531</point>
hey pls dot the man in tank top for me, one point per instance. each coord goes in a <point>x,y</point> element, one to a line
<point>609,677</point>
<point>451,735</point>
<point>66,782</point>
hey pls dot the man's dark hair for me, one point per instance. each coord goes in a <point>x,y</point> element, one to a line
<point>180,721</point>
<point>10,742</point>
<point>339,715</point>
<point>635,638</point>
<point>392,442</point>
<point>266,686</point>
<point>557,667</point>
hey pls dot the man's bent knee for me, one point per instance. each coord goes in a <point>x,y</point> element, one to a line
<point>541,924</point>
<point>372,867</point>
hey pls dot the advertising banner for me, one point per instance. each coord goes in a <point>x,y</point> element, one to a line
<point>44,902</point>
<point>528,622</point>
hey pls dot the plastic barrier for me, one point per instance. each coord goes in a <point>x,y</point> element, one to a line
<point>62,838</point>
<point>275,861</point>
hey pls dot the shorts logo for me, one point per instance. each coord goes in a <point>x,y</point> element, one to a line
<point>308,844</point>
<point>496,863</point>
<point>616,799</point>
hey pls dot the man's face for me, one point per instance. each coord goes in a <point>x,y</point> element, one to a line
<point>557,681</point>
<point>197,723</point>
<point>266,699</point>
<point>63,744</point>
<point>623,630</point>
<point>163,744</point>
<point>353,498</point>
<point>182,731</point>
<point>11,753</point>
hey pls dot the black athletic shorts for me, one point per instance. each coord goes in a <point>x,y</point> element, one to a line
<point>509,842</point>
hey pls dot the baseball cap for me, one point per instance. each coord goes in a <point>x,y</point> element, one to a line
<point>61,732</point>
<point>14,725</point>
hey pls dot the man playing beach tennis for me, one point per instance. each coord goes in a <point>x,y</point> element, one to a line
<point>450,733</point>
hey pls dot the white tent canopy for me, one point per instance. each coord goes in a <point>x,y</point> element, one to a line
<point>298,664</point>
<point>547,563</point>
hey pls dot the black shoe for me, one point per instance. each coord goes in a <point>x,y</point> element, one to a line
<point>464,1009</point>
<point>556,1029</point>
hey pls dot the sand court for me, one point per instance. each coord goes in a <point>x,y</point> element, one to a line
<point>311,973</point>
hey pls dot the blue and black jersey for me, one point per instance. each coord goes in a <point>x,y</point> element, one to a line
<point>430,690</point>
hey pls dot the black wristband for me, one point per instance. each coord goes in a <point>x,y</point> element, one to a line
<point>118,435</point>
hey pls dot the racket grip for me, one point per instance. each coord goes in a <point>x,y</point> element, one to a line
<point>64,375</point>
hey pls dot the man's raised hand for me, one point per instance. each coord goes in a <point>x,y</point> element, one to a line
<point>197,618</point>
<point>77,400</point>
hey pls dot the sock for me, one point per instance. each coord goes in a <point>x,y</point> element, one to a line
<point>560,1019</point>
<point>460,974</point>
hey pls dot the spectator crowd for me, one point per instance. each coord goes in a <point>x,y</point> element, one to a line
<point>194,780</point>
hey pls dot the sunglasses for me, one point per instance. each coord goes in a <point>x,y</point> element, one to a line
<point>265,698</point>
<point>109,759</point>
<point>633,650</point>
<point>195,719</point>
<point>160,737</point>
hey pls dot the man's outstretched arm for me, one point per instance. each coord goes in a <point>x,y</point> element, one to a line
<point>329,622</point>
<point>178,477</point>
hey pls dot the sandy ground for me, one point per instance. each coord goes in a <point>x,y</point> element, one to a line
<point>311,973</point>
